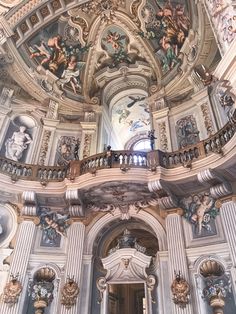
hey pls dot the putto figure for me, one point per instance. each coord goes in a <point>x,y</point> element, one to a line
<point>16,145</point>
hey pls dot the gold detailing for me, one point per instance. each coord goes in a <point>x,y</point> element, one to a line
<point>180,290</point>
<point>12,290</point>
<point>69,292</point>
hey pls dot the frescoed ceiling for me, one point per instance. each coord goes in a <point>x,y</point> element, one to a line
<point>65,50</point>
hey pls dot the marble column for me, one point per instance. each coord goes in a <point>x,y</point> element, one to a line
<point>73,268</point>
<point>228,216</point>
<point>177,260</point>
<point>19,263</point>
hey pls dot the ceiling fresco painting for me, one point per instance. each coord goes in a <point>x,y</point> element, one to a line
<point>166,24</point>
<point>130,116</point>
<point>61,54</point>
<point>106,35</point>
<point>115,43</point>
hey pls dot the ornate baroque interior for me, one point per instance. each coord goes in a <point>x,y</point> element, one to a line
<point>117,157</point>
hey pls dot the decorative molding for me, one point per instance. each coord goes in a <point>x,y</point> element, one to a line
<point>75,203</point>
<point>29,199</point>
<point>181,291</point>
<point>44,147</point>
<point>207,119</point>
<point>219,186</point>
<point>166,198</point>
<point>163,138</point>
<point>12,290</point>
<point>69,293</point>
<point>87,145</point>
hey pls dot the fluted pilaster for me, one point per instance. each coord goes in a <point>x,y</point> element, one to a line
<point>74,260</point>
<point>228,216</point>
<point>177,258</point>
<point>20,259</point>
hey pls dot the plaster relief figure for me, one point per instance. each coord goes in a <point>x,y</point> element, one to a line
<point>16,145</point>
<point>200,210</point>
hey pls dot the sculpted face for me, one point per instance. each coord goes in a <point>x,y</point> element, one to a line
<point>22,128</point>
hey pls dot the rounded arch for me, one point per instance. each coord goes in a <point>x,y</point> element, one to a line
<point>8,220</point>
<point>205,258</point>
<point>53,266</point>
<point>142,215</point>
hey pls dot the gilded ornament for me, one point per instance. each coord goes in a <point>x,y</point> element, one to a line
<point>69,292</point>
<point>180,290</point>
<point>12,290</point>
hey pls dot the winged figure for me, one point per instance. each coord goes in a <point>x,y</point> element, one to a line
<point>134,100</point>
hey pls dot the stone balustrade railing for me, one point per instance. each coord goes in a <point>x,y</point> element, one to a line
<point>119,159</point>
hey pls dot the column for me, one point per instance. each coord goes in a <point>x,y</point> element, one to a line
<point>19,264</point>
<point>47,139</point>
<point>73,268</point>
<point>228,216</point>
<point>86,285</point>
<point>177,257</point>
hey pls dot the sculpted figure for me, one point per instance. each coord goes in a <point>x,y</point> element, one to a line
<point>16,145</point>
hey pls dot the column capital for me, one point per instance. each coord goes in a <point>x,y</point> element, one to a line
<point>170,212</point>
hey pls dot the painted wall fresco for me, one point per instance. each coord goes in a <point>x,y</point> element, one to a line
<point>201,210</point>
<point>57,48</point>
<point>187,131</point>
<point>166,25</point>
<point>53,225</point>
<point>130,116</point>
<point>67,150</point>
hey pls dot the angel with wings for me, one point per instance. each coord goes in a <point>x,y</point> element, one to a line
<point>115,39</point>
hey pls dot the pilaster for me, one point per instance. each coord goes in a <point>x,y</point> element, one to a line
<point>162,127</point>
<point>73,267</point>
<point>19,264</point>
<point>49,128</point>
<point>89,139</point>
<point>177,256</point>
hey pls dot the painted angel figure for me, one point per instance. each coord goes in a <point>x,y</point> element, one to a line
<point>203,205</point>
<point>115,39</point>
<point>71,73</point>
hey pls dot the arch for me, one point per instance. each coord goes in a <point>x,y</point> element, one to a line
<point>13,228</point>
<point>203,258</point>
<point>141,215</point>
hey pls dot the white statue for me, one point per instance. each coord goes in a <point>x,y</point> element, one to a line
<point>17,144</point>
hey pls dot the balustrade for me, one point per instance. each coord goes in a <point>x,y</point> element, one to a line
<point>120,159</point>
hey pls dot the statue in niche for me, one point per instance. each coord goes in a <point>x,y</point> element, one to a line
<point>187,132</point>
<point>200,210</point>
<point>16,145</point>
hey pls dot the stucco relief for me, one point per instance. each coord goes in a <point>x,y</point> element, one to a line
<point>207,119</point>
<point>187,131</point>
<point>163,137</point>
<point>201,210</point>
<point>67,150</point>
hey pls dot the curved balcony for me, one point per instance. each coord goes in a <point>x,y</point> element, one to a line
<point>120,159</point>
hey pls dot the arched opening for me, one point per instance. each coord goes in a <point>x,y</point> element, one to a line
<point>113,244</point>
